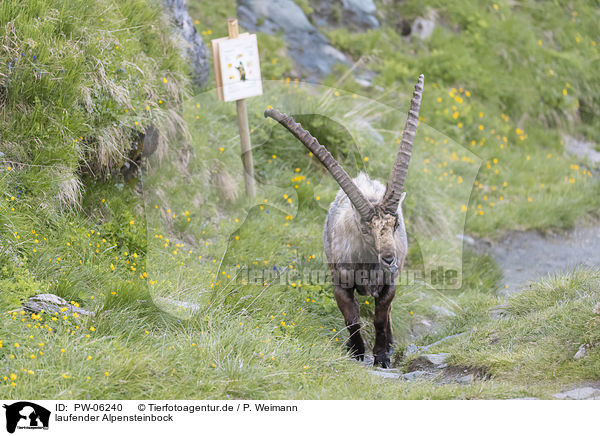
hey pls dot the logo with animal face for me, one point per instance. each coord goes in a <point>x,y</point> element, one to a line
<point>26,415</point>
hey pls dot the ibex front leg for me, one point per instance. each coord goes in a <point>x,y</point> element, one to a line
<point>351,311</point>
<point>383,328</point>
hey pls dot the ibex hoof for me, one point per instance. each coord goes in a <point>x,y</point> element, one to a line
<point>384,361</point>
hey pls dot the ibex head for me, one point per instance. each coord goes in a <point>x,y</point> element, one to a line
<point>378,221</point>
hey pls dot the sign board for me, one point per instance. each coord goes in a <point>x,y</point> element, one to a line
<point>237,67</point>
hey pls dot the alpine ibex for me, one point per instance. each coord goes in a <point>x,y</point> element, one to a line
<point>364,236</point>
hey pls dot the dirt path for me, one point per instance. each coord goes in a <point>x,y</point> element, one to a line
<point>529,256</point>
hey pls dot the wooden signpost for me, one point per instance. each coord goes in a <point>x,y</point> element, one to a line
<point>237,73</point>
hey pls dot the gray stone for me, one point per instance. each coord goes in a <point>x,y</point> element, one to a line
<point>360,12</point>
<point>466,239</point>
<point>275,15</point>
<point>51,303</point>
<point>411,349</point>
<point>360,6</point>
<point>363,80</point>
<point>523,398</point>
<point>422,28</point>
<point>393,374</point>
<point>583,393</point>
<point>581,352</point>
<point>195,48</point>
<point>354,15</point>
<point>308,47</point>
<point>437,361</point>
<point>499,312</point>
<point>465,379</point>
<point>582,149</point>
<point>411,376</point>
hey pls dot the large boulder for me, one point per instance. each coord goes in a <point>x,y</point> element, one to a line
<point>356,15</point>
<point>423,27</point>
<point>195,49</point>
<point>360,13</point>
<point>308,47</point>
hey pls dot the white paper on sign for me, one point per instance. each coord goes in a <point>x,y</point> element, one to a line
<point>240,67</point>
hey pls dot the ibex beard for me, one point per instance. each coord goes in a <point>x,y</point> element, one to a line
<point>364,238</point>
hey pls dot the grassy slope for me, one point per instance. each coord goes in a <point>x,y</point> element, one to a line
<point>504,81</point>
<point>274,340</point>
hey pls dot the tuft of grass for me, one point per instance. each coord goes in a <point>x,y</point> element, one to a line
<point>541,330</point>
<point>80,83</point>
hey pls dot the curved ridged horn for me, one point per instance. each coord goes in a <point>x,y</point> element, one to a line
<point>395,184</point>
<point>360,202</point>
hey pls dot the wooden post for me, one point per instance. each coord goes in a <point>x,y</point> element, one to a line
<point>242,116</point>
<point>232,26</point>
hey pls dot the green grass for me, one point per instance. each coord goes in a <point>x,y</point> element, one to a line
<point>132,252</point>
<point>512,119</point>
<point>80,82</point>
<point>542,329</point>
<point>504,83</point>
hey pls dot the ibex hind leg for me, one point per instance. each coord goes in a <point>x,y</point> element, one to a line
<point>351,311</point>
<point>383,328</point>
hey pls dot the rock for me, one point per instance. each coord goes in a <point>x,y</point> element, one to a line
<point>422,28</point>
<point>581,352</point>
<point>421,327</point>
<point>447,338</point>
<point>273,16</point>
<point>360,6</point>
<point>466,239</point>
<point>387,374</point>
<point>582,149</point>
<point>308,47</point>
<point>364,79</point>
<point>438,360</point>
<point>150,141</point>
<point>356,15</point>
<point>51,303</point>
<point>583,393</point>
<point>411,376</point>
<point>465,379</point>
<point>424,361</point>
<point>523,398</point>
<point>195,48</point>
<point>360,12</point>
<point>411,349</point>
<point>499,312</point>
